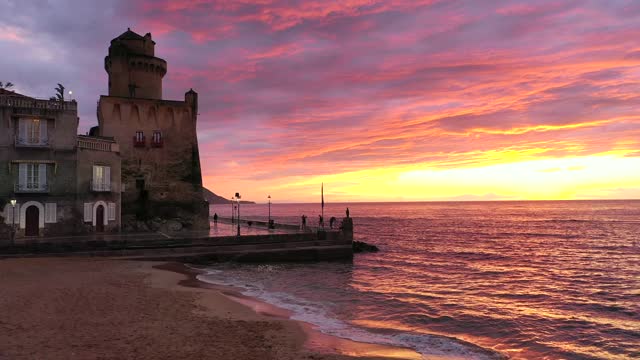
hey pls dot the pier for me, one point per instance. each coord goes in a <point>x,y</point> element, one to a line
<point>257,243</point>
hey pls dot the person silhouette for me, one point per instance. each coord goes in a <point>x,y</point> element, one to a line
<point>215,218</point>
<point>347,212</point>
<point>304,221</point>
<point>331,221</point>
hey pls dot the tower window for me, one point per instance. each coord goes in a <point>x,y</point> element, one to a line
<point>156,139</point>
<point>138,139</point>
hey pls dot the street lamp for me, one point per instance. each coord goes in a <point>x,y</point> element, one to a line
<point>269,197</point>
<point>13,228</point>
<point>232,211</point>
<point>238,201</point>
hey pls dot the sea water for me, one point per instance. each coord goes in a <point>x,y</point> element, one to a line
<point>481,280</point>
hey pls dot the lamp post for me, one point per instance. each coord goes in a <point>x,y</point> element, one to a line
<point>13,227</point>
<point>269,226</point>
<point>238,201</point>
<point>232,210</point>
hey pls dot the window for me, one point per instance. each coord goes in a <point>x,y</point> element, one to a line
<point>32,132</point>
<point>32,177</point>
<point>111,211</point>
<point>156,139</point>
<point>138,139</point>
<point>101,178</point>
<point>50,213</point>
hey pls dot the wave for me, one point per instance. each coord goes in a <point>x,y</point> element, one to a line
<point>319,315</point>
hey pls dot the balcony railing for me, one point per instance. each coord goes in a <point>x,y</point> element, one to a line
<point>22,142</point>
<point>96,144</point>
<point>157,143</point>
<point>31,188</point>
<point>30,103</point>
<point>138,142</point>
<point>100,186</point>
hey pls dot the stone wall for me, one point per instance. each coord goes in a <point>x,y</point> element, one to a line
<point>160,182</point>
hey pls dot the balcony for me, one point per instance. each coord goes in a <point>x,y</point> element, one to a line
<point>97,144</point>
<point>138,142</point>
<point>157,143</point>
<point>96,186</point>
<point>31,188</point>
<point>22,142</point>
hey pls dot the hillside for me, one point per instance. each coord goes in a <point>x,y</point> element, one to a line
<point>215,199</point>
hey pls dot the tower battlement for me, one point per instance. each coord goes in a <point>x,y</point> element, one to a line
<point>134,70</point>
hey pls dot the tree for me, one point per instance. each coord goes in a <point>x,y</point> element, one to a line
<point>6,85</point>
<point>60,92</point>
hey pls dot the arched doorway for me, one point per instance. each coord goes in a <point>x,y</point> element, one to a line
<point>32,219</point>
<point>100,218</point>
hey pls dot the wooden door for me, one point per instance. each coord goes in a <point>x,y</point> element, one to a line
<point>32,220</point>
<point>100,218</point>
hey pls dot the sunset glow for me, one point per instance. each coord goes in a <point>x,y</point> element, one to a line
<point>380,100</point>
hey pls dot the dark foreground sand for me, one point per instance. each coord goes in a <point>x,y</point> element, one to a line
<point>106,309</point>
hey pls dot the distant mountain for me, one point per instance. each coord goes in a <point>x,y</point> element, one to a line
<point>217,199</point>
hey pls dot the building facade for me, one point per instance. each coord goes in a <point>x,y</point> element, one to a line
<point>50,173</point>
<point>161,175</point>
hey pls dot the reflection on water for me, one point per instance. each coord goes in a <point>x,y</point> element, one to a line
<point>532,280</point>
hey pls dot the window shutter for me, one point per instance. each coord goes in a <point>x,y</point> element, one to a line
<point>107,177</point>
<point>22,130</point>
<point>50,213</point>
<point>22,175</point>
<point>112,211</point>
<point>42,175</point>
<point>8,214</point>
<point>94,179</point>
<point>88,212</point>
<point>43,132</point>
<point>17,219</point>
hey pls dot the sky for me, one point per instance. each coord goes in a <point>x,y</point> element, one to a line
<point>408,100</point>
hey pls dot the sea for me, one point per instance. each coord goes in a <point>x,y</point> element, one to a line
<point>473,280</point>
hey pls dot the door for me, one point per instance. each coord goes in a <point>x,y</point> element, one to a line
<point>100,218</point>
<point>32,220</point>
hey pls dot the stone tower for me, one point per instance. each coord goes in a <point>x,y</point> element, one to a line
<point>133,69</point>
<point>158,143</point>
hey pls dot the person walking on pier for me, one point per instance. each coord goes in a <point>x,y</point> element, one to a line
<point>331,221</point>
<point>304,222</point>
<point>215,218</point>
<point>347,212</point>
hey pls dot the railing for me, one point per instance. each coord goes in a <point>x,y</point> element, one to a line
<point>95,144</point>
<point>157,143</point>
<point>137,142</point>
<point>31,188</point>
<point>37,103</point>
<point>100,186</point>
<point>22,142</point>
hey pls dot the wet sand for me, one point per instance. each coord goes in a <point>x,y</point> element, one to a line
<point>107,309</point>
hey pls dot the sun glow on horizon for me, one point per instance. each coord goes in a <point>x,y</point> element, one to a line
<point>605,176</point>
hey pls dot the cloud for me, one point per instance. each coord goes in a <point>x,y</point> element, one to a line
<point>299,88</point>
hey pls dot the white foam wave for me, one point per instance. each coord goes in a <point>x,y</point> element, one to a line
<point>320,315</point>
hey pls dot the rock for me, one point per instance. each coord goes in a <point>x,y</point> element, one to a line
<point>173,225</point>
<point>359,246</point>
<point>141,226</point>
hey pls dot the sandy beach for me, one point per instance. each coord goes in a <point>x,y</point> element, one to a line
<point>107,309</point>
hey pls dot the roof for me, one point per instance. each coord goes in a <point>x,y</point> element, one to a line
<point>129,35</point>
<point>5,92</point>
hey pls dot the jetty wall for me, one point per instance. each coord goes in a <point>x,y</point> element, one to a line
<point>301,246</point>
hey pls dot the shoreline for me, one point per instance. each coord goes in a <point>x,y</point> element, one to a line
<point>313,339</point>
